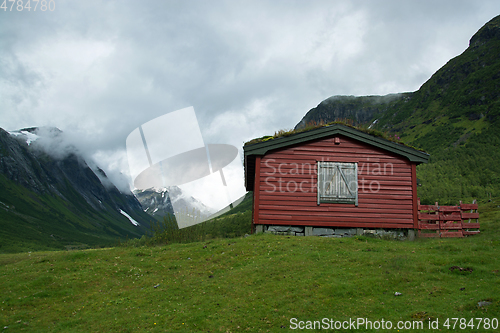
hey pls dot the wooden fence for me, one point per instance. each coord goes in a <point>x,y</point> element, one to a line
<point>448,221</point>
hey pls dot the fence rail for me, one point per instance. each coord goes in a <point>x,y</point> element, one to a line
<point>448,221</point>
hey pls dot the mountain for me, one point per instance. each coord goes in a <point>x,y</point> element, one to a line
<point>359,109</point>
<point>51,198</point>
<point>455,116</point>
<point>155,202</point>
<point>466,87</point>
<point>167,200</point>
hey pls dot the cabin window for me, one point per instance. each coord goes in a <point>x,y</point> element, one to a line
<point>338,182</point>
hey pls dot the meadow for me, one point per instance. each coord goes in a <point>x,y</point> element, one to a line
<point>258,283</point>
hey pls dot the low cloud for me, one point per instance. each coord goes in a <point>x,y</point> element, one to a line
<point>112,168</point>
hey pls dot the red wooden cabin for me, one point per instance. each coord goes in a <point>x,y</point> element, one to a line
<point>333,176</point>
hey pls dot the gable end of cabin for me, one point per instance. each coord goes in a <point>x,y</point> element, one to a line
<point>334,180</point>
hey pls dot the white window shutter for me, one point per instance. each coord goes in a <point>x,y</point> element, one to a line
<point>338,182</point>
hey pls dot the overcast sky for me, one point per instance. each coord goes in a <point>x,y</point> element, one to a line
<point>99,69</point>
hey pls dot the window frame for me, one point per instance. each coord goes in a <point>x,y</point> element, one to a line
<point>340,167</point>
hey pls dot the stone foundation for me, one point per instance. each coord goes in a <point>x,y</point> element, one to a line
<point>334,232</point>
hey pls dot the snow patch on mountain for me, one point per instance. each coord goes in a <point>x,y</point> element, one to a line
<point>28,136</point>
<point>134,222</point>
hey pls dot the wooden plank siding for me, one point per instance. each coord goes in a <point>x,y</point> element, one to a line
<point>414,195</point>
<point>286,187</point>
<point>256,195</point>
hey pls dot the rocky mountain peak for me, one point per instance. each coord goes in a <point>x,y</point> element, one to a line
<point>359,109</point>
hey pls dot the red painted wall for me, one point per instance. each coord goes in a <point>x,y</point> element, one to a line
<point>286,187</point>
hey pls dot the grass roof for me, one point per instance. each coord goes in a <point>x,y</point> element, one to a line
<point>346,122</point>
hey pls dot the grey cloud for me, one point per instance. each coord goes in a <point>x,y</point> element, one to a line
<point>100,69</point>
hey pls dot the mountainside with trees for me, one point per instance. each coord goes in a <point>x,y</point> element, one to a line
<point>454,116</point>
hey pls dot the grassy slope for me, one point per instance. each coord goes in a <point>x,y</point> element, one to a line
<point>257,283</point>
<point>29,224</point>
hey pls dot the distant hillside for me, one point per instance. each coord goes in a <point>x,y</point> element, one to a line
<point>359,109</point>
<point>241,205</point>
<point>56,202</point>
<point>454,116</point>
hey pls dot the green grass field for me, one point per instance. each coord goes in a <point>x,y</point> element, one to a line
<point>257,284</point>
